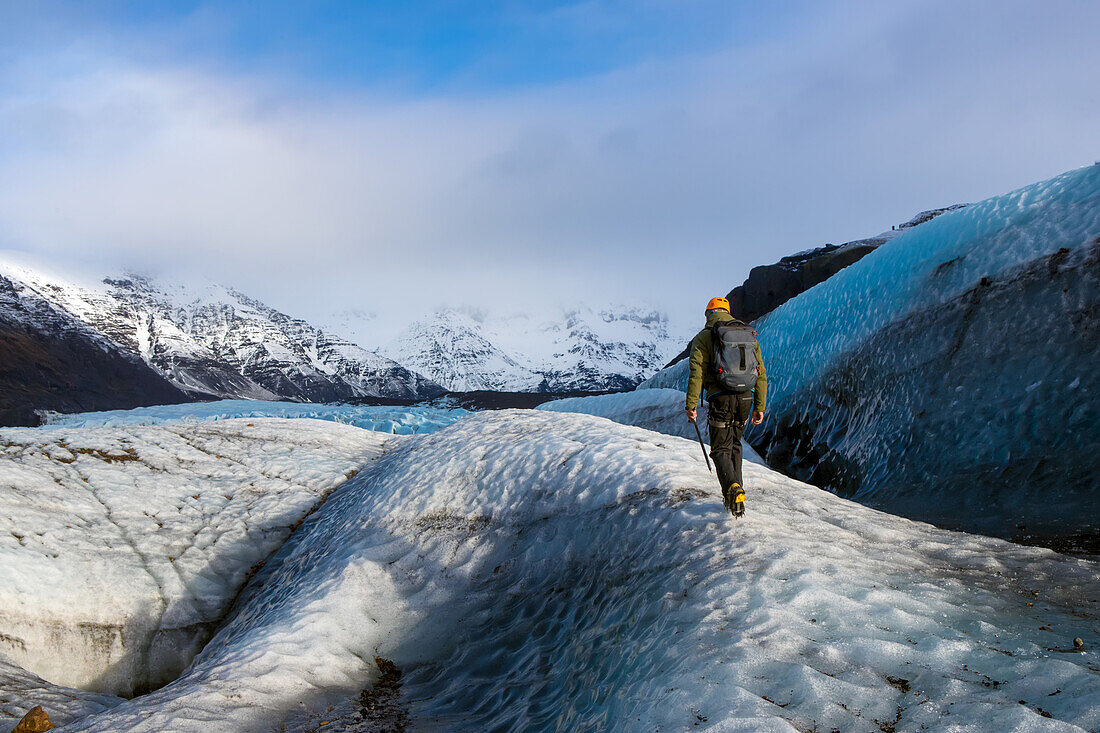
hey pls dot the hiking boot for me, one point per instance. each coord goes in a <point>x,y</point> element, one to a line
<point>737,501</point>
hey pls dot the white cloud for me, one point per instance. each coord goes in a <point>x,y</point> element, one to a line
<point>664,182</point>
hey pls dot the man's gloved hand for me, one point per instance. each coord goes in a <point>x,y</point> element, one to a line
<point>691,415</point>
<point>757,418</point>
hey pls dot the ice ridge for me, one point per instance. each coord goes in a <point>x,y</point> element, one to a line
<point>544,571</point>
<point>944,376</point>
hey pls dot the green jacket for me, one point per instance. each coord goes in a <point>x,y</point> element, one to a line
<point>700,362</point>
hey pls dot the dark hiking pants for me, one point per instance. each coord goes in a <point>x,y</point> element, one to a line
<point>726,419</point>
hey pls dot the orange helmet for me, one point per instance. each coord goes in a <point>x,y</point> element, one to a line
<point>718,304</point>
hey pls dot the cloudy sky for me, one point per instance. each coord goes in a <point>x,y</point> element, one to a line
<point>396,156</point>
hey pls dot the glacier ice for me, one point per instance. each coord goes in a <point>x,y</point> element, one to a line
<point>122,548</point>
<point>539,570</point>
<point>20,691</point>
<point>382,418</point>
<point>661,410</point>
<point>950,375</point>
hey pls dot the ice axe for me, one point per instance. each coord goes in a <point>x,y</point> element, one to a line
<point>705,456</point>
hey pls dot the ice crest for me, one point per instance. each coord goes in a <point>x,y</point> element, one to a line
<point>540,570</point>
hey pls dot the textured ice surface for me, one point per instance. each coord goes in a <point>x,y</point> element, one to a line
<point>533,570</point>
<point>122,548</point>
<point>661,410</point>
<point>673,377</point>
<point>20,691</point>
<point>950,374</point>
<point>398,420</point>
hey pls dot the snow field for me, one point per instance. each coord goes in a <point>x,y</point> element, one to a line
<point>543,571</point>
<point>122,548</point>
<point>381,418</point>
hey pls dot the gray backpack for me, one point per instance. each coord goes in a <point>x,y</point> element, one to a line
<point>735,367</point>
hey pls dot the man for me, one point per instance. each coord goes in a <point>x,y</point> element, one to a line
<point>729,408</point>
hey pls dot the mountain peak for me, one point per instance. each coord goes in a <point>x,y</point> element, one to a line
<point>209,339</point>
<point>578,349</point>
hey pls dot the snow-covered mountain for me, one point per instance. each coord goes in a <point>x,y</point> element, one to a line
<point>453,349</point>
<point>576,350</point>
<point>51,361</point>
<point>212,340</point>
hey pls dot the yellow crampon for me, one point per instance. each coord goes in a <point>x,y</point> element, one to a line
<point>737,500</point>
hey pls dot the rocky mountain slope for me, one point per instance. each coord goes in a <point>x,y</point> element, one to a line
<point>211,340</point>
<point>454,350</point>
<point>49,360</point>
<point>583,349</point>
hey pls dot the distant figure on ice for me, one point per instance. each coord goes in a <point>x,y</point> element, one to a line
<point>726,362</point>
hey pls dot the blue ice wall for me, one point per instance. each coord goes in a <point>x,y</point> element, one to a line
<point>952,374</point>
<point>927,266</point>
